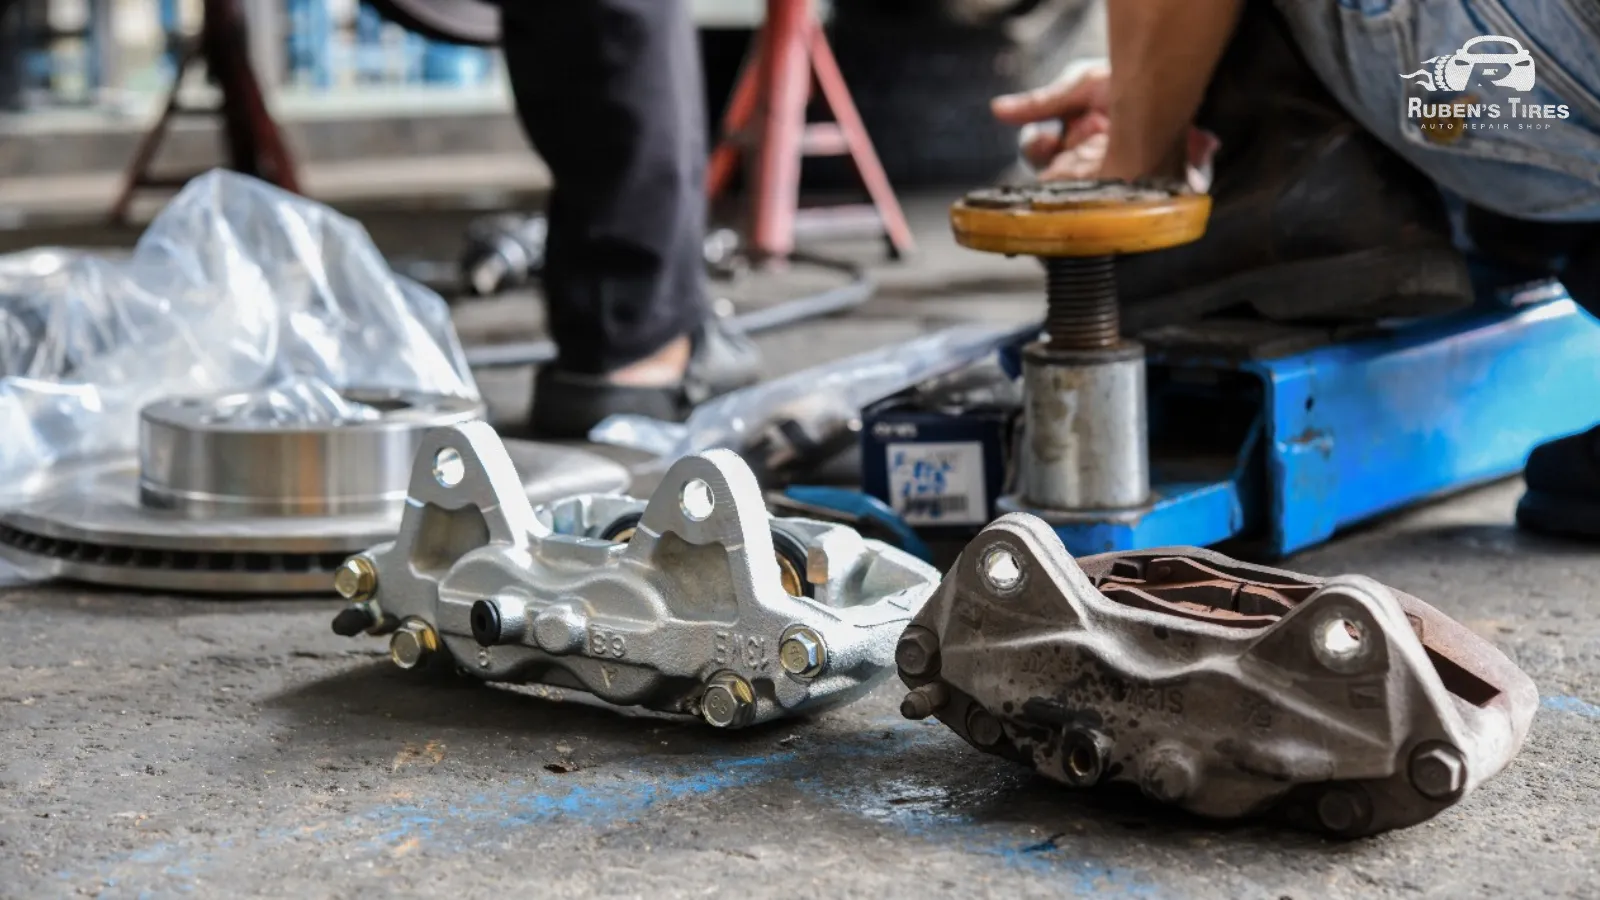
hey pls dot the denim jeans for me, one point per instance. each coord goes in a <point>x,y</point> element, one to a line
<point>1543,168</point>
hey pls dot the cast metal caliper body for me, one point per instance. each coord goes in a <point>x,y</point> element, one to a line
<point>694,602</point>
<point>1225,688</point>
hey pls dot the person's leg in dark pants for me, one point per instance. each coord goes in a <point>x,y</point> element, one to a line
<point>1563,476</point>
<point>610,94</point>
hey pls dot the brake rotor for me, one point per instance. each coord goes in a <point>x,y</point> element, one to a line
<point>470,22</point>
<point>214,504</point>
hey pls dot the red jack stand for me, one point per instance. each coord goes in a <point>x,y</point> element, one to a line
<point>768,113</point>
<point>254,143</point>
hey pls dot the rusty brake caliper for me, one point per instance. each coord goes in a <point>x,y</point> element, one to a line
<point>1225,688</point>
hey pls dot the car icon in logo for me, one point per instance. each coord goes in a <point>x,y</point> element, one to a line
<point>1508,68</point>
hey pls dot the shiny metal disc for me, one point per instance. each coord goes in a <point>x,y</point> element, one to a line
<point>86,522</point>
<point>235,455</point>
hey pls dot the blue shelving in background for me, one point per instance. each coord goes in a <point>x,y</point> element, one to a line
<point>316,57</point>
<point>325,48</point>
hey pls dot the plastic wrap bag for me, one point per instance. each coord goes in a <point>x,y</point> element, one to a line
<point>823,398</point>
<point>235,286</point>
<point>297,401</point>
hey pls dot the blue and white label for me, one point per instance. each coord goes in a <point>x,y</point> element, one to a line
<point>938,484</point>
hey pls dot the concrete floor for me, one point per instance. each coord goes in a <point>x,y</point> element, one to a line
<point>159,746</point>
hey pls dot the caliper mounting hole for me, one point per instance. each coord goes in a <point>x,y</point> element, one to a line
<point>448,467</point>
<point>1339,642</point>
<point>696,501</point>
<point>1081,761</point>
<point>1001,569</point>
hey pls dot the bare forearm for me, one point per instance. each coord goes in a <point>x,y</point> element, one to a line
<point>1162,55</point>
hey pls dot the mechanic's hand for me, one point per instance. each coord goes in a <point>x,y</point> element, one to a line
<point>1065,124</point>
<point>1066,128</point>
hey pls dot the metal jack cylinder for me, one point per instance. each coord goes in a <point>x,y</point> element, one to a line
<point>1085,443</point>
<point>1086,434</point>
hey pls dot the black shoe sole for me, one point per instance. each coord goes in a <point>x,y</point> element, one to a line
<point>1562,516</point>
<point>1380,283</point>
<point>565,407</point>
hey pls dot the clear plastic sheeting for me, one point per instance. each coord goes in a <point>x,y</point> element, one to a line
<point>236,286</point>
<point>298,401</point>
<point>829,395</point>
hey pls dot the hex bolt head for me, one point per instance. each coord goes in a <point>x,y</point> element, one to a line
<point>984,729</point>
<point>413,643</point>
<point>924,701</point>
<point>1437,771</point>
<point>1169,773</point>
<point>728,701</point>
<point>917,654</point>
<point>356,579</point>
<point>802,653</point>
<point>1344,810</point>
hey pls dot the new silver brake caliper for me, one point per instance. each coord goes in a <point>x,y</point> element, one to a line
<point>696,601</point>
<point>1225,688</point>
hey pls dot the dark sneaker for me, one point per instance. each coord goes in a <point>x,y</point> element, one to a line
<point>1564,487</point>
<point>1313,219</point>
<point>567,404</point>
<point>1566,250</point>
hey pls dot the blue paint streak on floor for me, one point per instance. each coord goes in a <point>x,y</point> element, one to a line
<point>591,806</point>
<point>585,805</point>
<point>1566,704</point>
<point>599,799</point>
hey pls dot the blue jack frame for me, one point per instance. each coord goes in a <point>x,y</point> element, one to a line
<point>1345,432</point>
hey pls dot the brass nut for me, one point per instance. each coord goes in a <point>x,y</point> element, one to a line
<point>413,643</point>
<point>356,579</point>
<point>728,701</point>
<point>802,652</point>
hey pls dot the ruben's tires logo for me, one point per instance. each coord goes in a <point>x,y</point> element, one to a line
<point>1486,63</point>
<point>1505,62</point>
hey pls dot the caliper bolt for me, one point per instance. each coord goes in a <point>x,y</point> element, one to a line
<point>924,701</point>
<point>802,652</point>
<point>413,643</point>
<point>984,729</point>
<point>728,701</point>
<point>1344,810</point>
<point>353,620</point>
<point>917,654</point>
<point>1169,773</point>
<point>356,579</point>
<point>1437,771</point>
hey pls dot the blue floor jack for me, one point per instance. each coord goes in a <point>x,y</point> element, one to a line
<point>1281,441</point>
<point>1272,437</point>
